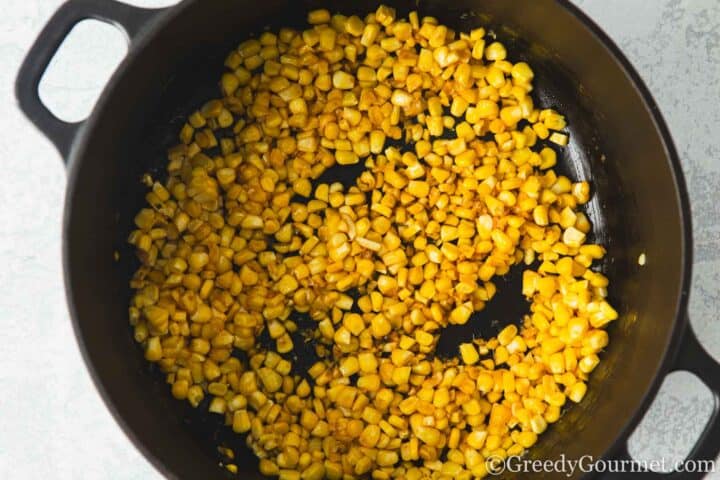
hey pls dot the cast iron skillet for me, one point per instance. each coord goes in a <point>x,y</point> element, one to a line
<point>619,142</point>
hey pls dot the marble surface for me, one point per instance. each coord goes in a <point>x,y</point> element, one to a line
<point>52,422</point>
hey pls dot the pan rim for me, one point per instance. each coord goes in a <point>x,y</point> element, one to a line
<point>672,342</point>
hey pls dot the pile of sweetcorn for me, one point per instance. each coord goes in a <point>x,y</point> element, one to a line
<point>240,237</point>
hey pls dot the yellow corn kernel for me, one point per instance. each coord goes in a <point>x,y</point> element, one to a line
<point>577,392</point>
<point>386,458</point>
<point>487,109</point>
<point>268,468</point>
<point>478,50</point>
<point>527,439</point>
<point>424,338</point>
<point>316,471</point>
<point>401,98</point>
<point>469,354</point>
<point>346,158</point>
<point>287,284</point>
<point>461,314</point>
<point>354,26</point>
<point>418,188</point>
<point>522,73</point>
<point>572,237</point>
<point>559,138</point>
<point>288,475</point>
<point>318,16</point>
<point>588,363</point>
<point>458,106</point>
<point>495,51</point>
<point>507,334</point>
<point>241,421</point>
<point>343,80</point>
<point>428,435</point>
<point>370,34</point>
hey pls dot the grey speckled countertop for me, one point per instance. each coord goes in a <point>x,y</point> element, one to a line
<point>52,422</point>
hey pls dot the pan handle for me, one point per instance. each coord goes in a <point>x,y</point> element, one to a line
<point>691,357</point>
<point>132,20</point>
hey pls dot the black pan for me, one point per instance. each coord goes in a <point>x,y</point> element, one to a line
<point>619,142</point>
